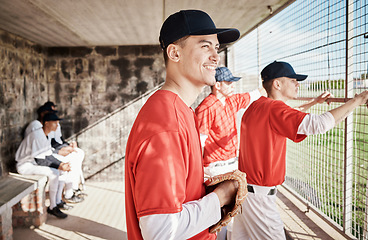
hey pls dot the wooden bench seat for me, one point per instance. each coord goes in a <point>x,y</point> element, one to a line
<point>13,188</point>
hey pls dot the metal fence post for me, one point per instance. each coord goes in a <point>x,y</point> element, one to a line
<point>349,131</point>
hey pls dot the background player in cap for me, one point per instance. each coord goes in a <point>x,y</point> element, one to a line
<point>164,191</point>
<point>265,126</point>
<point>75,156</point>
<point>37,124</point>
<point>217,122</point>
<point>35,156</point>
<point>63,151</point>
<point>217,126</point>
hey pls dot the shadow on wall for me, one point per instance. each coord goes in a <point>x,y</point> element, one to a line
<point>9,151</point>
<point>87,84</point>
<point>104,141</point>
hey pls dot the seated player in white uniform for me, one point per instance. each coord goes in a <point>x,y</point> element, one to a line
<point>76,156</point>
<point>65,153</point>
<point>35,156</point>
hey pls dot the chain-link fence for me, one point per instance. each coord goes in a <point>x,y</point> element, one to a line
<point>328,40</point>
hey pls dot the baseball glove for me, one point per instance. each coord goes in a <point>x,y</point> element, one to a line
<point>229,211</point>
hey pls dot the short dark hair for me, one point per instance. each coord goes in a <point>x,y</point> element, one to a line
<point>181,42</point>
<point>267,85</point>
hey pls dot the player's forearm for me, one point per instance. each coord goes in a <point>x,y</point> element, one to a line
<point>343,111</point>
<point>320,99</point>
<point>195,217</point>
<point>304,107</point>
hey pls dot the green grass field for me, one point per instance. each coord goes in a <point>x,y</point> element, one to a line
<point>319,163</point>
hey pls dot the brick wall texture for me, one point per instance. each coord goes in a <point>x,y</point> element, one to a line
<point>95,89</point>
<point>31,210</point>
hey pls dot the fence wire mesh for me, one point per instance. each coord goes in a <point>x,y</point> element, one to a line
<point>328,40</point>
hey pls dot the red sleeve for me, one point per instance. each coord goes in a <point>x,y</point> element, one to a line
<point>241,99</point>
<point>161,175</point>
<point>285,121</point>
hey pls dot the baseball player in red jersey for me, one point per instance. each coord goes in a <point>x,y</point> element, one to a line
<point>217,126</point>
<point>164,192</point>
<point>217,123</point>
<point>264,128</point>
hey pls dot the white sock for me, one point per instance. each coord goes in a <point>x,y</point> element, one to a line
<point>59,193</point>
<point>68,190</point>
<point>52,199</point>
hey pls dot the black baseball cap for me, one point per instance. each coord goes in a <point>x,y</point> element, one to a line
<point>51,117</point>
<point>49,104</point>
<point>193,22</point>
<point>280,69</point>
<point>44,108</point>
<point>224,74</point>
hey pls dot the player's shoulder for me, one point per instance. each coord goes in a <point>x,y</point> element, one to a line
<point>270,102</point>
<point>37,133</point>
<point>163,101</point>
<point>163,108</point>
<point>267,105</point>
<point>35,124</point>
<point>207,103</point>
<point>240,95</point>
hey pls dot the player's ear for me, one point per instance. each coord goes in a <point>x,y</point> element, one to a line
<point>46,124</point>
<point>217,85</point>
<point>276,84</point>
<point>173,52</point>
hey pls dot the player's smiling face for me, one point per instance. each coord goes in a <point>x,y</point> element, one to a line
<point>200,58</point>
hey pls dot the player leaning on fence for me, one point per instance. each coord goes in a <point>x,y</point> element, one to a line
<point>265,126</point>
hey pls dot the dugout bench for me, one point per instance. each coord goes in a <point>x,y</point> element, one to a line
<point>14,188</point>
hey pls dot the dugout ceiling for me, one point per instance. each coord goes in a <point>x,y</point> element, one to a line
<point>58,23</point>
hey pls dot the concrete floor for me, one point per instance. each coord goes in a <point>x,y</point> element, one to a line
<point>301,223</point>
<point>102,216</point>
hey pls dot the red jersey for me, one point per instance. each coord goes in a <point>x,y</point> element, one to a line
<point>163,161</point>
<point>264,128</point>
<point>218,122</point>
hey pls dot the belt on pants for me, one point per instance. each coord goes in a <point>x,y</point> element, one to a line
<point>271,192</point>
<point>223,163</point>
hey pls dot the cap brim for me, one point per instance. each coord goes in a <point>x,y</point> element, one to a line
<point>298,77</point>
<point>224,35</point>
<point>50,120</point>
<point>234,79</point>
<point>51,111</point>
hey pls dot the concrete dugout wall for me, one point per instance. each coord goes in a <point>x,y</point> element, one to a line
<point>86,83</point>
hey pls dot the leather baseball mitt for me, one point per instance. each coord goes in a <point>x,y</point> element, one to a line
<point>229,211</point>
